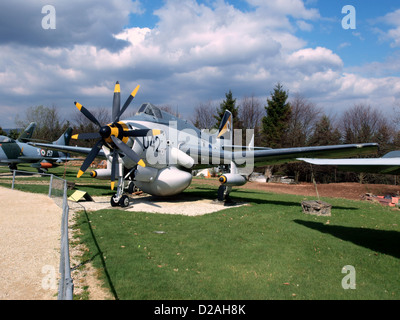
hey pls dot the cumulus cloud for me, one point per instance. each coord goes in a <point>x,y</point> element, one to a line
<point>77,22</point>
<point>196,52</point>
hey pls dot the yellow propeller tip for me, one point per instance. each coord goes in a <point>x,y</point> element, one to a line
<point>75,136</point>
<point>78,105</point>
<point>133,94</point>
<point>112,185</point>
<point>80,173</point>
<point>117,88</point>
<point>141,163</point>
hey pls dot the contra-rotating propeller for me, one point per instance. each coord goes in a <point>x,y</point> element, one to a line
<point>115,135</point>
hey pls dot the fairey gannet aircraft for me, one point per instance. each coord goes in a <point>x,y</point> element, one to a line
<point>157,152</point>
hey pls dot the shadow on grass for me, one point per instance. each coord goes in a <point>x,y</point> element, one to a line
<point>383,241</point>
<point>240,196</point>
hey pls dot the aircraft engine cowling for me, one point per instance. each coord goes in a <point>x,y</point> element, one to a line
<point>162,182</point>
<point>231,179</point>
<point>102,174</point>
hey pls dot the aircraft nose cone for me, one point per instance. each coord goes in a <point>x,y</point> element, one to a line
<point>105,132</point>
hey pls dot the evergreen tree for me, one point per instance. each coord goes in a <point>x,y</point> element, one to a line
<point>229,104</point>
<point>325,134</point>
<point>275,123</point>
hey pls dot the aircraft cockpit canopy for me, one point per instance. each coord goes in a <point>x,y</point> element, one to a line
<point>151,110</point>
<point>4,139</point>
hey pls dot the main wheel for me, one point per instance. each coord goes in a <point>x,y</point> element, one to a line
<point>124,201</point>
<point>113,202</point>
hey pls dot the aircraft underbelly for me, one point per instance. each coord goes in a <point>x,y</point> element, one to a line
<point>167,182</point>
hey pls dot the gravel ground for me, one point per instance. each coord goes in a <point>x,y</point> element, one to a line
<point>30,246</point>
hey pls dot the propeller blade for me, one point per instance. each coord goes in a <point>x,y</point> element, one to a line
<point>128,151</point>
<point>86,136</point>
<point>87,113</point>
<point>116,101</point>
<point>113,168</point>
<point>127,103</point>
<point>91,156</point>
<point>142,133</point>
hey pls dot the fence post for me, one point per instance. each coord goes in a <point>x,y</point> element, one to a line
<point>13,181</point>
<point>50,184</point>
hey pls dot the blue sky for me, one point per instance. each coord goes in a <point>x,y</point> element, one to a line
<point>188,52</point>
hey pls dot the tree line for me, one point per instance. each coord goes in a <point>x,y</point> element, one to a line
<point>280,123</point>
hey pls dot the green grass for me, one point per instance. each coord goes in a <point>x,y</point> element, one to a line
<point>267,250</point>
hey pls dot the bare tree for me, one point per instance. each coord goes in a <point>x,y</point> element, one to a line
<point>49,125</point>
<point>168,108</point>
<point>251,112</point>
<point>362,123</point>
<point>303,118</point>
<point>204,116</point>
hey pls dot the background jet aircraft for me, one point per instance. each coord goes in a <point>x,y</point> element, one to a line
<point>388,164</point>
<point>157,151</point>
<point>13,152</point>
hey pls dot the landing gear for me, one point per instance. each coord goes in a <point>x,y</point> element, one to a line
<point>122,202</point>
<point>223,193</point>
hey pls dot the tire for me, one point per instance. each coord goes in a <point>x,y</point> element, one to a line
<point>113,203</point>
<point>124,201</point>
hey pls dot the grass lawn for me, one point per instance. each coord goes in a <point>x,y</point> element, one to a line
<point>267,250</point>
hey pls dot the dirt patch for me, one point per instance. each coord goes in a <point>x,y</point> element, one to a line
<point>352,191</point>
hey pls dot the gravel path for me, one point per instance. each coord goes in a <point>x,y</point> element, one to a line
<point>30,246</point>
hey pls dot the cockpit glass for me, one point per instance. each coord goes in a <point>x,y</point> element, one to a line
<point>4,139</point>
<point>150,110</point>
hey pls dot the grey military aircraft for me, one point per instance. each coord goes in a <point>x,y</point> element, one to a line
<point>157,152</point>
<point>14,152</point>
<point>388,164</point>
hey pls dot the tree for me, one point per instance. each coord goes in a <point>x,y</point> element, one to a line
<point>325,133</point>
<point>2,132</point>
<point>49,125</point>
<point>361,123</point>
<point>204,116</point>
<point>229,104</point>
<point>250,115</point>
<point>303,117</point>
<point>275,123</point>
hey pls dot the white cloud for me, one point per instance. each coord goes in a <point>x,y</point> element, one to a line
<point>195,53</point>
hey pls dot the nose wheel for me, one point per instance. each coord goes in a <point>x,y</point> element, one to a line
<point>121,202</point>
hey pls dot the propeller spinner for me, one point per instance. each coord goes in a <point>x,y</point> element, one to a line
<point>115,135</point>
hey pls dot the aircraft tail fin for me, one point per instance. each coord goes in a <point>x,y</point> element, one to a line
<point>27,133</point>
<point>65,138</point>
<point>226,126</point>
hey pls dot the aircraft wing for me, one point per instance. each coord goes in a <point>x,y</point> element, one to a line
<point>279,156</point>
<point>66,148</point>
<point>368,165</point>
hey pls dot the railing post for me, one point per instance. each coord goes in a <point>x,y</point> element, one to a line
<point>13,180</point>
<point>50,185</point>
